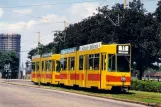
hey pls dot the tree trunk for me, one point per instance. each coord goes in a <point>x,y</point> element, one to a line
<point>141,72</point>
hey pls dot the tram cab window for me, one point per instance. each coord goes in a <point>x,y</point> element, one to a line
<point>123,63</point>
<point>93,62</point>
<point>72,63</point>
<point>111,62</point>
<point>64,63</point>
<point>33,66</point>
<point>57,66</point>
<point>81,62</point>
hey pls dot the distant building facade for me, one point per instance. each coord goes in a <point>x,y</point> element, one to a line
<point>10,42</point>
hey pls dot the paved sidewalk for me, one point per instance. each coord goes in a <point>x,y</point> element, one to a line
<point>18,81</point>
<point>22,96</point>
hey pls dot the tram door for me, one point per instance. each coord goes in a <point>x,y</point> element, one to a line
<point>81,70</point>
<point>93,70</point>
<point>103,70</point>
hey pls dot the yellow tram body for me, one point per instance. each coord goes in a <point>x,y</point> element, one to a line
<point>46,69</point>
<point>97,67</point>
<point>92,65</point>
<point>35,68</point>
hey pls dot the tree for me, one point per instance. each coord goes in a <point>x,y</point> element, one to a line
<point>136,27</point>
<point>158,12</point>
<point>32,53</point>
<point>143,32</point>
<point>9,57</point>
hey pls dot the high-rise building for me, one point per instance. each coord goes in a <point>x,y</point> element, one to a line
<point>10,42</point>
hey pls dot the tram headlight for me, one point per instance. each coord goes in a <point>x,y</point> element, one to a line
<point>123,79</point>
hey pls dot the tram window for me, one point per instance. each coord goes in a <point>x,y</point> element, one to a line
<point>93,62</point>
<point>72,63</point>
<point>90,62</point>
<point>111,62</point>
<point>61,63</point>
<point>57,66</point>
<point>102,60</point>
<point>33,66</point>
<point>81,62</point>
<point>53,65</point>
<point>49,65</point>
<point>96,62</point>
<point>105,62</point>
<point>42,65</point>
<point>103,67</point>
<point>46,65</point>
<point>69,63</point>
<point>37,66</point>
<point>64,63</point>
<point>123,63</point>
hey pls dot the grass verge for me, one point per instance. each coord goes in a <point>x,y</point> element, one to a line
<point>148,98</point>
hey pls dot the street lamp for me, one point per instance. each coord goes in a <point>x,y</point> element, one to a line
<point>19,73</point>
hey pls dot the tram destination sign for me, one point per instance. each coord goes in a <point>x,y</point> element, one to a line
<point>122,49</point>
<point>36,56</point>
<point>90,46</point>
<point>69,50</point>
<point>46,54</point>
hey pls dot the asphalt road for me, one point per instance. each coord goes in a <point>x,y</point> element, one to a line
<point>22,96</point>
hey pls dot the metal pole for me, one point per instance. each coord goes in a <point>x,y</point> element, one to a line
<point>65,23</point>
<point>19,73</point>
<point>40,57</point>
<point>124,4</point>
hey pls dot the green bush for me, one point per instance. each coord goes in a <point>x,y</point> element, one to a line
<point>149,86</point>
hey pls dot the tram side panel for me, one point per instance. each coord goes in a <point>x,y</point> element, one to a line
<point>55,69</point>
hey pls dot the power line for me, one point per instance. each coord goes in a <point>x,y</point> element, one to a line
<point>11,25</point>
<point>32,16</point>
<point>43,4</point>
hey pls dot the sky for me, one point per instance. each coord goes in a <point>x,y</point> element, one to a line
<point>27,17</point>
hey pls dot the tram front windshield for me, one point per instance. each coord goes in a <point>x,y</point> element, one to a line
<point>123,63</point>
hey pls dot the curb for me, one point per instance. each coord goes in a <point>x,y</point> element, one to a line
<point>117,99</point>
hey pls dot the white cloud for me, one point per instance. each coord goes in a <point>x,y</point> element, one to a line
<point>29,29</point>
<point>27,11</point>
<point>45,25</point>
<point>79,11</point>
<point>1,12</point>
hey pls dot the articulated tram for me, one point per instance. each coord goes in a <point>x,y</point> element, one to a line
<point>91,66</point>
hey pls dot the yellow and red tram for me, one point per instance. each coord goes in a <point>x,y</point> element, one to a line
<point>92,65</point>
<point>46,68</point>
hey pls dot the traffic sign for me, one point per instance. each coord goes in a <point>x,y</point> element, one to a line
<point>7,66</point>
